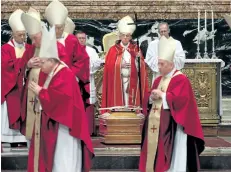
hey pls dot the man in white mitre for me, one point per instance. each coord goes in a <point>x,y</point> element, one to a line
<point>60,140</point>
<point>12,58</point>
<point>69,26</point>
<point>33,25</point>
<point>151,58</point>
<point>172,134</point>
<point>95,64</point>
<point>120,79</point>
<point>77,59</point>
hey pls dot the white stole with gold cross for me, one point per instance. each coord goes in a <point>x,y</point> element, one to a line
<point>30,117</point>
<point>154,124</point>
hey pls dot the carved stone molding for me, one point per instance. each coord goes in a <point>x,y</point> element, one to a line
<point>146,9</point>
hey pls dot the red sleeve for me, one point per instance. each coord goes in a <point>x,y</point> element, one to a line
<point>105,80</point>
<point>58,93</point>
<point>183,106</point>
<point>80,63</point>
<point>62,102</point>
<point>62,53</point>
<point>144,69</point>
<point>10,69</point>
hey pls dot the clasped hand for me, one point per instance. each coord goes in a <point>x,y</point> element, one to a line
<point>34,87</point>
<point>34,62</point>
<point>156,94</point>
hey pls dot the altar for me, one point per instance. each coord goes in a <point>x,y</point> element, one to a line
<point>205,78</point>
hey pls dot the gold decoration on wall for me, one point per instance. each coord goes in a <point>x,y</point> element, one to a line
<point>203,89</point>
<point>203,79</point>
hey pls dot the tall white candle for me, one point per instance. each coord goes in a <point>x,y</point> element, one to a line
<point>212,22</point>
<point>198,56</point>
<point>206,54</point>
<point>205,21</point>
<point>198,25</point>
<point>213,32</point>
<point>213,43</point>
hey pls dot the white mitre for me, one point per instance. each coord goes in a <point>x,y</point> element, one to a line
<point>49,47</point>
<point>15,21</point>
<point>123,26</point>
<point>228,19</point>
<point>32,21</point>
<point>166,49</point>
<point>56,13</point>
<point>69,26</point>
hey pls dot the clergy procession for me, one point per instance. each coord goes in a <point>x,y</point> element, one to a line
<point>48,94</point>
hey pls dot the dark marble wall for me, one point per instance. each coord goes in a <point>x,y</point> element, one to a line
<point>184,30</point>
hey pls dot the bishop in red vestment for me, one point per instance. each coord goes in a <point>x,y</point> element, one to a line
<point>77,58</point>
<point>120,78</point>
<point>172,134</point>
<point>33,25</point>
<point>12,80</point>
<point>61,140</point>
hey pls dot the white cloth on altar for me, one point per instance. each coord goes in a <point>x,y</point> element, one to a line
<point>9,135</point>
<point>68,152</point>
<point>151,58</point>
<point>95,63</point>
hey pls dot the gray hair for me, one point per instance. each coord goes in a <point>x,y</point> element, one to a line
<point>163,23</point>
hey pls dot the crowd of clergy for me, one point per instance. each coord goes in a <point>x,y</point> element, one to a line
<point>48,93</point>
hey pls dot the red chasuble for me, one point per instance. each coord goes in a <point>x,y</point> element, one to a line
<point>12,81</point>
<point>78,61</point>
<point>29,54</point>
<point>62,104</point>
<point>77,58</point>
<point>183,111</point>
<point>112,94</point>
